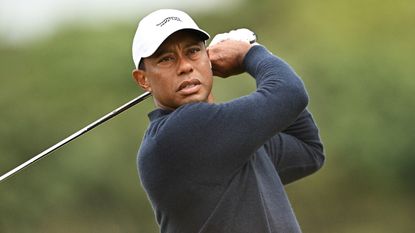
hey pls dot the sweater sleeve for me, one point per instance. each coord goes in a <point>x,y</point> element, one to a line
<point>297,151</point>
<point>220,138</point>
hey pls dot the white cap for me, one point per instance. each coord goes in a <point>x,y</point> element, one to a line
<point>156,27</point>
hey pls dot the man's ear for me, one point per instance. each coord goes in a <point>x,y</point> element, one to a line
<point>141,79</point>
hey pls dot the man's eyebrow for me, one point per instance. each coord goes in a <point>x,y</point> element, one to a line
<point>163,50</point>
<point>160,52</point>
<point>195,42</point>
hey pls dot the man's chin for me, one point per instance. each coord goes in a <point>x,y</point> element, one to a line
<point>195,99</point>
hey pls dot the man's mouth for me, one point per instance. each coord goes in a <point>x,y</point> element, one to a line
<point>189,87</point>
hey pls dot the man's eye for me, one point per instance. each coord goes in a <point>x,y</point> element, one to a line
<point>166,59</point>
<point>194,50</point>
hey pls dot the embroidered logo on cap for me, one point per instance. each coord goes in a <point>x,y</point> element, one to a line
<point>168,19</point>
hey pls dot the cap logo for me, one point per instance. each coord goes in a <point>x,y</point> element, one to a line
<point>168,19</point>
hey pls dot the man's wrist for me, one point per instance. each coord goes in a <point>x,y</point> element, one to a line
<point>253,57</point>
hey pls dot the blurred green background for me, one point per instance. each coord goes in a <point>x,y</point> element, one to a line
<point>355,57</point>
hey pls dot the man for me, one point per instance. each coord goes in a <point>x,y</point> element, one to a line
<point>215,168</point>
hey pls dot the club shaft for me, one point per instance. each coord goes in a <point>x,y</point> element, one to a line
<point>77,134</point>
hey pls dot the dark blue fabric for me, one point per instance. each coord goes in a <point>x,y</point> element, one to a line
<point>216,168</point>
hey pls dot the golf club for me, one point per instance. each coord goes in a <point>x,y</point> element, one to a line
<point>239,34</point>
<point>77,134</point>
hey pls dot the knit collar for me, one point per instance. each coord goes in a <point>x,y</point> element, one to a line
<point>157,113</point>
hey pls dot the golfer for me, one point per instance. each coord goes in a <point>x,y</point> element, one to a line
<point>220,167</point>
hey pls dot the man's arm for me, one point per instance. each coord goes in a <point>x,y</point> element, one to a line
<point>218,139</point>
<point>297,151</point>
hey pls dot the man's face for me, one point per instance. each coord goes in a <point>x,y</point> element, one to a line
<point>179,72</point>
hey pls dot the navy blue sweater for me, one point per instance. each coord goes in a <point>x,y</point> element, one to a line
<point>220,168</point>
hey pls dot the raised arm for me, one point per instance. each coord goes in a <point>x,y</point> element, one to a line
<point>229,134</point>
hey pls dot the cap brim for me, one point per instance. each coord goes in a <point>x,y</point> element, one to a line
<point>203,35</point>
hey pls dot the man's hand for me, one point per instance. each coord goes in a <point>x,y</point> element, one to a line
<point>227,51</point>
<point>227,57</point>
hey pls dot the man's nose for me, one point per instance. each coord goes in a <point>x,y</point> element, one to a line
<point>185,66</point>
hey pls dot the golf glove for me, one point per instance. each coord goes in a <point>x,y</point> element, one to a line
<point>241,34</point>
